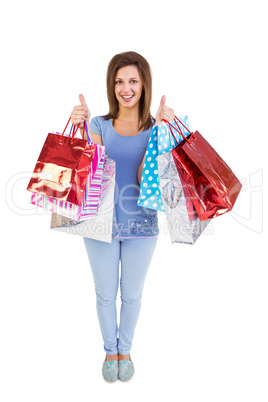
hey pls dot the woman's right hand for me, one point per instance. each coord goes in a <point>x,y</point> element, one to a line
<point>80,113</point>
<point>164,112</point>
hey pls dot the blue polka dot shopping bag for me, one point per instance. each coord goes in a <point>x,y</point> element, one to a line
<point>161,141</point>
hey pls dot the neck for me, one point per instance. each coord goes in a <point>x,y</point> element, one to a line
<point>129,114</point>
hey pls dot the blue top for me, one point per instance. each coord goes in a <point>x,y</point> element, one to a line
<point>128,152</point>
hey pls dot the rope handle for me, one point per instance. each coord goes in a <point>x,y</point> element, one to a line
<point>75,131</point>
<point>88,137</point>
<point>178,129</point>
<point>85,126</point>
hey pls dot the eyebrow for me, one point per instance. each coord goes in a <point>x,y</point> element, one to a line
<point>132,78</point>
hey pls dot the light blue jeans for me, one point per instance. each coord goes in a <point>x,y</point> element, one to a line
<point>135,255</point>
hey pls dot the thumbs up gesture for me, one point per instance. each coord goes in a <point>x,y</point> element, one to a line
<point>164,112</point>
<point>80,113</point>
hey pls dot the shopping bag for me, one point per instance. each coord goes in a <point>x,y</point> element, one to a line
<point>108,173</point>
<point>182,220</point>
<point>90,201</point>
<point>160,142</point>
<point>212,185</point>
<point>97,189</point>
<point>63,167</point>
<point>100,227</point>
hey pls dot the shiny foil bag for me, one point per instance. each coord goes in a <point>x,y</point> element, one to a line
<point>212,185</point>
<point>99,227</point>
<point>183,222</point>
<point>91,197</point>
<point>62,168</point>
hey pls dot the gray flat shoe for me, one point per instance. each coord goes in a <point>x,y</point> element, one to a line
<point>110,370</point>
<point>126,369</point>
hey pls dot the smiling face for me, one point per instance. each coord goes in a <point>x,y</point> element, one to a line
<point>128,86</point>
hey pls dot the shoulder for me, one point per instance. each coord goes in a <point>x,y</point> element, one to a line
<point>98,124</point>
<point>99,120</point>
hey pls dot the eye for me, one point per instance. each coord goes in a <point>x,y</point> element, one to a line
<point>118,82</point>
<point>133,81</point>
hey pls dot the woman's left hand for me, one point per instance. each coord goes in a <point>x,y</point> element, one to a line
<point>164,112</point>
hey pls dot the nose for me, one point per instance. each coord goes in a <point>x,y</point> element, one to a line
<point>126,87</point>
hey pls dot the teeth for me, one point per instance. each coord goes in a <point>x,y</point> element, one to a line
<point>127,97</point>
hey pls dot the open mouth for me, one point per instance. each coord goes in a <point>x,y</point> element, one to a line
<point>127,97</point>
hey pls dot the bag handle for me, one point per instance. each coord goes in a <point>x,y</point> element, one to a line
<point>179,130</point>
<point>75,131</point>
<point>85,126</point>
<point>89,140</point>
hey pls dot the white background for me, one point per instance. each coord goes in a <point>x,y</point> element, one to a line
<point>202,333</point>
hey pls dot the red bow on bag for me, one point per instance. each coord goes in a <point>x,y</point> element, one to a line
<point>205,177</point>
<point>63,167</point>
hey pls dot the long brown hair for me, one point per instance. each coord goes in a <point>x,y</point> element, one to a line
<point>128,59</point>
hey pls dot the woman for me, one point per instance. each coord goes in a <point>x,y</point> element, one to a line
<point>125,132</point>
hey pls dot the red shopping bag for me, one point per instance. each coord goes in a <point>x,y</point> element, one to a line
<point>63,167</point>
<point>209,181</point>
